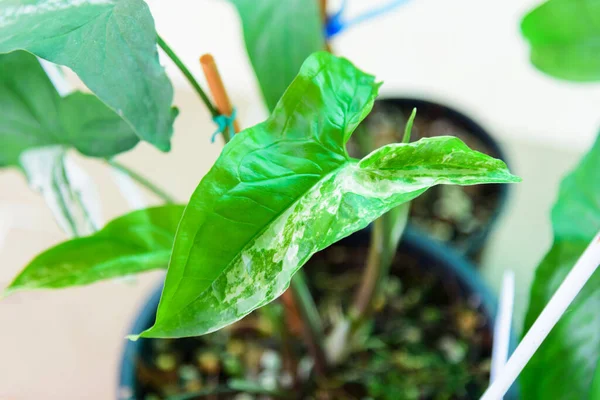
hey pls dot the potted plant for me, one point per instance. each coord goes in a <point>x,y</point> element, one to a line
<point>280,192</point>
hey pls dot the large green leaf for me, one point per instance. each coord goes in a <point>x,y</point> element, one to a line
<point>286,188</point>
<point>133,243</point>
<point>574,344</point>
<point>565,38</point>
<point>33,115</point>
<point>279,36</point>
<point>110,44</point>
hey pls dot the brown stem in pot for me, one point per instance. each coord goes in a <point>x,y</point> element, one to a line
<point>301,314</point>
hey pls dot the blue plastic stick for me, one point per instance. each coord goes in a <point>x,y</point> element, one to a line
<point>335,24</point>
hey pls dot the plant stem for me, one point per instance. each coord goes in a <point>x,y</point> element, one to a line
<point>143,182</point>
<point>313,328</point>
<point>372,272</point>
<point>385,236</point>
<point>186,72</point>
<point>323,10</point>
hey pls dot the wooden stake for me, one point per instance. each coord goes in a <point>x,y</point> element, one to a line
<point>323,11</point>
<point>217,89</point>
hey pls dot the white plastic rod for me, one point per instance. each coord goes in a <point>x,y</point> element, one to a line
<point>503,324</point>
<point>556,307</point>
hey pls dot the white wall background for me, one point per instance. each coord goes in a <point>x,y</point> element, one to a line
<point>468,53</point>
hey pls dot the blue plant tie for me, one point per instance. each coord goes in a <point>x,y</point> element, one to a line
<point>224,122</point>
<point>335,24</point>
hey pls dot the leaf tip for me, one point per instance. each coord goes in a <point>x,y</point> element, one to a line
<point>133,338</point>
<point>164,146</point>
<point>9,290</point>
<point>409,125</point>
<point>505,176</point>
<point>514,178</point>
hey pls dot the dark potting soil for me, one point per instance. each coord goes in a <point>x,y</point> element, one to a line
<point>447,213</point>
<point>427,341</point>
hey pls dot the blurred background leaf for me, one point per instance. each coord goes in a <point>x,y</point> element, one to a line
<point>279,36</point>
<point>110,44</point>
<point>573,346</point>
<point>33,115</point>
<point>133,243</point>
<point>565,38</point>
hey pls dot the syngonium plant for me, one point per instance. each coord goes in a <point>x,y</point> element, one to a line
<point>279,192</point>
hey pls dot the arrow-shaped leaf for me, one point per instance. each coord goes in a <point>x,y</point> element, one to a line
<point>286,188</point>
<point>110,44</point>
<point>133,243</point>
<point>33,115</point>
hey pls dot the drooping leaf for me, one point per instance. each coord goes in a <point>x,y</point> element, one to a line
<point>279,36</point>
<point>286,188</point>
<point>574,343</point>
<point>133,243</point>
<point>110,44</point>
<point>565,38</point>
<point>67,190</point>
<point>33,115</point>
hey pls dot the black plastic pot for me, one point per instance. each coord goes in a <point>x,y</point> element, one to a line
<point>433,256</point>
<point>431,110</point>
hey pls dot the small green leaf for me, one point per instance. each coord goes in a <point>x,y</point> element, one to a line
<point>286,188</point>
<point>133,243</point>
<point>565,38</point>
<point>33,115</point>
<point>574,343</point>
<point>110,44</point>
<point>279,36</point>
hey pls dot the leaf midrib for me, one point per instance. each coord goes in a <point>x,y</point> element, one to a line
<point>260,232</point>
<point>347,160</point>
<point>343,165</point>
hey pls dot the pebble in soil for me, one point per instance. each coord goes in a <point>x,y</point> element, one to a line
<point>427,342</point>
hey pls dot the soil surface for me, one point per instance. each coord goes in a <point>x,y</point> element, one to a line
<point>427,341</point>
<point>451,214</point>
